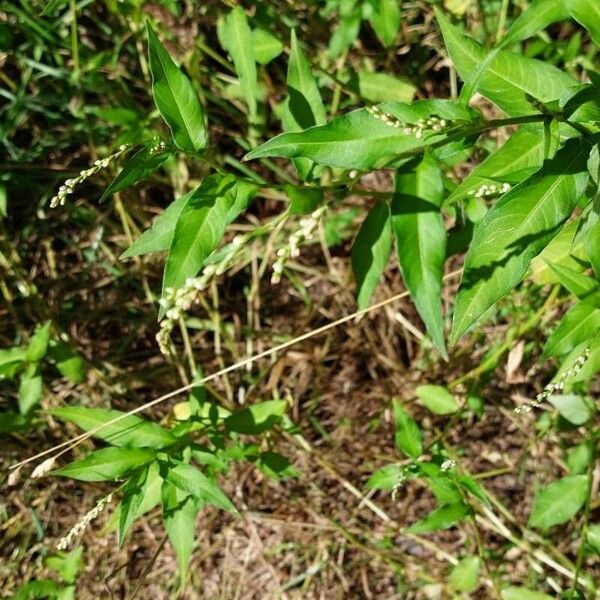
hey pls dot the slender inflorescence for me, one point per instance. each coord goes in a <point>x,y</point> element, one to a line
<point>68,187</point>
<point>178,301</point>
<point>490,189</point>
<point>432,124</point>
<point>82,524</point>
<point>556,386</point>
<point>306,233</point>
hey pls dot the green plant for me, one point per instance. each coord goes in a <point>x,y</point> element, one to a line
<point>532,199</point>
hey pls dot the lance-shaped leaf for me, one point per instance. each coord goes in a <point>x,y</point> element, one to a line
<point>207,212</point>
<point>520,156</point>
<point>536,17</point>
<point>179,517</point>
<point>366,138</point>
<point>442,518</point>
<point>194,482</point>
<point>371,252</point>
<point>408,436</point>
<point>580,323</point>
<point>421,239</point>
<point>160,235</point>
<point>385,20</point>
<point>129,430</point>
<point>303,107</point>
<point>141,493</point>
<point>107,464</point>
<point>236,38</point>
<point>518,227</point>
<point>142,164</point>
<point>509,77</point>
<point>176,98</point>
<point>586,12</point>
<point>558,502</point>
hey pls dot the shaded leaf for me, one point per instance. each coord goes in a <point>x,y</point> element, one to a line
<point>586,12</point>
<point>142,164</point>
<point>256,418</point>
<point>179,518</point>
<point>385,20</point>
<point>30,389</point>
<point>371,251</point>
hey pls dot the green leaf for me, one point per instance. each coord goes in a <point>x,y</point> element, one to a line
<point>38,344</point>
<point>142,164</point>
<point>209,209</point>
<point>265,46</point>
<point>593,538</point>
<point>11,360</point>
<point>437,399</point>
<point>66,564</point>
<point>472,486</point>
<point>160,235</point>
<point>536,17</point>
<point>129,431</point>
<point>592,246</point>
<point>408,435</point>
<point>303,106</point>
<point>379,87</point>
<point>30,389</point>
<point>362,139</point>
<point>465,575</point>
<point>344,34</point>
<point>521,593</point>
<point>523,153</point>
<point>276,466</point>
<point>236,38</point>
<point>256,418</point>
<point>371,252</point>
<point>68,362</point>
<point>578,459</point>
<point>386,478</point>
<point>441,518</point>
<point>586,12</point>
<point>589,368</point>
<point>141,493</point>
<point>515,230</point>
<point>179,517</point>
<point>176,98</point>
<point>577,283</point>
<point>573,408</point>
<point>385,20</point>
<point>558,502</point>
<point>107,464</point>
<point>303,200</point>
<point>444,489</point>
<point>194,482</point>
<point>580,323</point>
<point>509,77</point>
<point>421,240</point>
